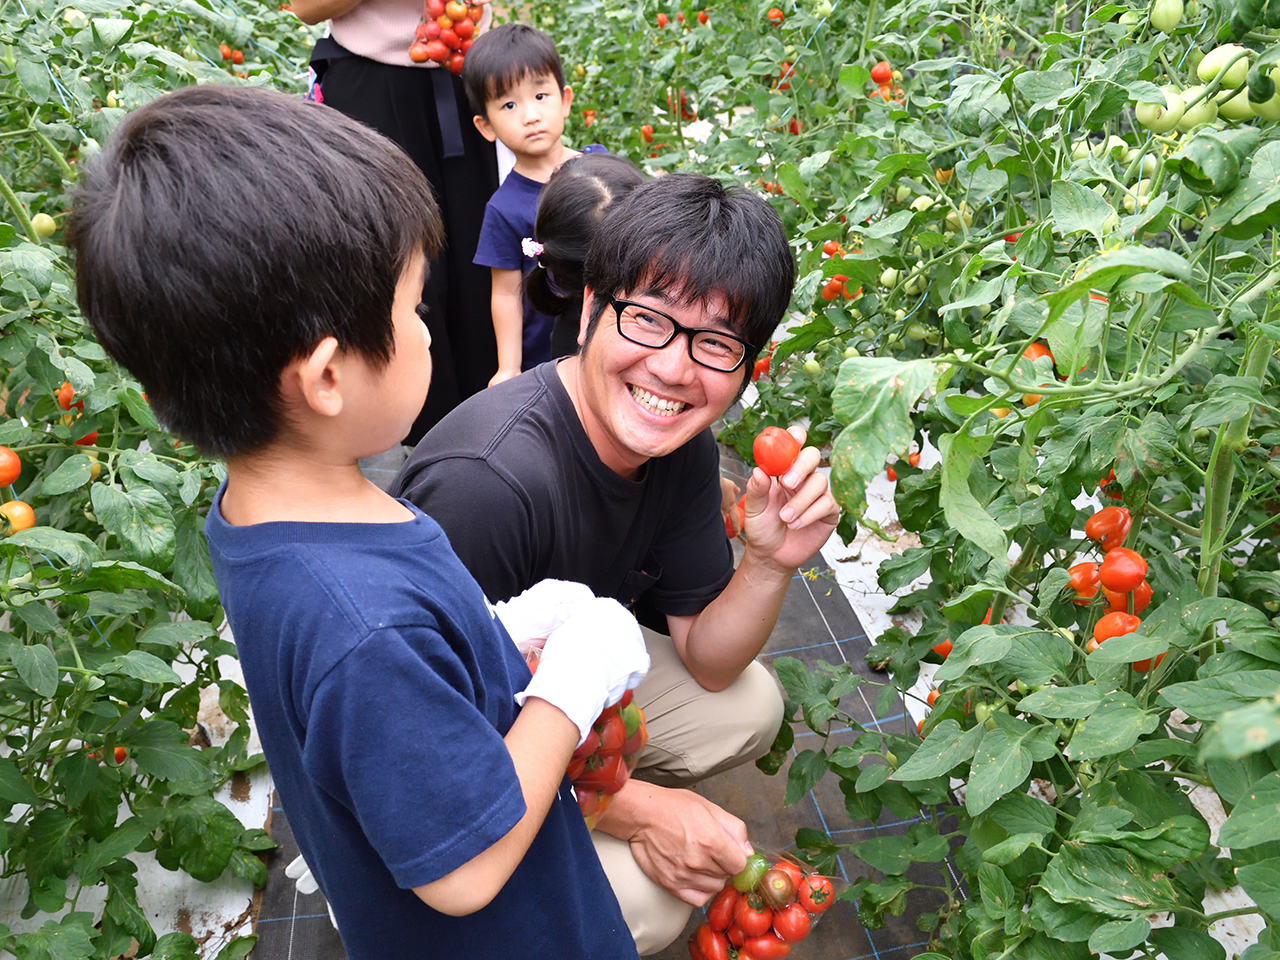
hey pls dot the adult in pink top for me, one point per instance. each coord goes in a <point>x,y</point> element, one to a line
<point>364,70</point>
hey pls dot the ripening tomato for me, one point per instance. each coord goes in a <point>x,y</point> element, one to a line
<point>1115,624</point>
<point>1109,527</point>
<point>713,944</point>
<point>1107,485</point>
<point>1090,645</point>
<point>816,894</point>
<point>932,698</point>
<point>1122,570</point>
<point>1120,601</point>
<point>1084,581</point>
<point>775,450</point>
<point>474,12</point>
<point>455,10</point>
<point>943,649</point>
<point>791,923</point>
<point>121,754</point>
<point>418,52</point>
<point>882,73</point>
<point>752,914</point>
<point>790,867</point>
<point>720,912</point>
<point>1036,351</point>
<point>920,727</point>
<point>10,466</point>
<point>913,459</point>
<point>777,887</point>
<point>14,516</point>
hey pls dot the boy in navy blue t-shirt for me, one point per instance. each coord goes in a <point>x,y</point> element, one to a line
<point>422,770</point>
<point>515,82</point>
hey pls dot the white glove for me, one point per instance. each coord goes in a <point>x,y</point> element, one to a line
<point>300,873</point>
<point>589,662</point>
<point>540,609</point>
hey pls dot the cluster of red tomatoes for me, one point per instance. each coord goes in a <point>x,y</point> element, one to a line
<point>15,515</point>
<point>230,53</point>
<point>663,19</point>
<point>762,911</point>
<point>882,76</point>
<point>604,762</point>
<point>1121,577</point>
<point>445,33</point>
<point>913,459</point>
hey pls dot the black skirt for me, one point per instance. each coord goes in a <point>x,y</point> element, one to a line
<point>462,167</point>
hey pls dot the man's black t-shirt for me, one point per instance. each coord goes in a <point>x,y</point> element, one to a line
<point>516,484</point>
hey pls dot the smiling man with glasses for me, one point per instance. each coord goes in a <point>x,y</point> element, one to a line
<point>601,468</point>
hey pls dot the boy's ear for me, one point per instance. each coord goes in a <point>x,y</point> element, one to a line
<point>485,128</point>
<point>315,380</point>
<point>567,97</point>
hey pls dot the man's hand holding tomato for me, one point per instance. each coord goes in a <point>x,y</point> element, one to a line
<point>788,518</point>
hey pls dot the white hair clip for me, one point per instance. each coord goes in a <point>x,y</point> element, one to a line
<point>531,247</point>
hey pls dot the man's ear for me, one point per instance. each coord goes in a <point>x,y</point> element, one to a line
<point>588,298</point>
<point>485,128</point>
<point>315,380</point>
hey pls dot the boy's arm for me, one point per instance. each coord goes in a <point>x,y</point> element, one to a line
<point>508,323</point>
<point>541,741</point>
<point>316,11</point>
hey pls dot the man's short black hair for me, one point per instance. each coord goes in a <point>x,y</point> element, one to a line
<point>694,237</point>
<point>224,232</point>
<point>505,55</point>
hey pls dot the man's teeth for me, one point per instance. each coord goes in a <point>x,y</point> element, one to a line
<point>663,408</point>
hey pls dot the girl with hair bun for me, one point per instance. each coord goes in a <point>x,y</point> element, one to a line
<point>571,205</point>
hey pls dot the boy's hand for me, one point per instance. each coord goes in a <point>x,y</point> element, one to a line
<point>548,604</point>
<point>589,662</point>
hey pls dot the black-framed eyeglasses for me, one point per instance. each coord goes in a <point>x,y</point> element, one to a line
<point>713,349</point>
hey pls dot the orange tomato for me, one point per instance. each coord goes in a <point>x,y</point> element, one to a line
<point>10,466</point>
<point>16,515</point>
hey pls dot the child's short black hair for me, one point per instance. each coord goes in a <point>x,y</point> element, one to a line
<point>223,232</point>
<point>569,209</point>
<point>695,237</point>
<point>505,55</point>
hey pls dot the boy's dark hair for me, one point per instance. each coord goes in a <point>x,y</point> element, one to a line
<point>569,209</point>
<point>502,57</point>
<point>694,237</point>
<point>225,231</point>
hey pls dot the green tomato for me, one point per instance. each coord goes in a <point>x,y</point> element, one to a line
<point>851,352</point>
<point>1206,111</point>
<point>44,225</point>
<point>756,866</point>
<point>916,331</point>
<point>902,193</point>
<point>888,277</point>
<point>1270,110</point>
<point>934,337</point>
<point>1217,58</point>
<point>1129,18</point>
<point>823,9</point>
<point>981,712</point>
<point>812,366</point>
<point>1166,15</point>
<point>1161,118</point>
<point>891,759</point>
<point>1080,150</point>
<point>1236,108</point>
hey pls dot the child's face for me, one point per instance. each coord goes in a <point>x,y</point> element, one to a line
<point>529,117</point>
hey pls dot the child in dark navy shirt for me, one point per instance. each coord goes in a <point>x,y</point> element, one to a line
<point>515,82</point>
<point>422,770</point>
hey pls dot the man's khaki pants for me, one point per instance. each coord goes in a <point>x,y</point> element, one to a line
<point>693,734</point>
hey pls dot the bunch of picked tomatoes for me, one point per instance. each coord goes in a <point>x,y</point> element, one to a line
<point>761,912</point>
<point>607,757</point>
<point>446,32</point>
<point>1121,577</point>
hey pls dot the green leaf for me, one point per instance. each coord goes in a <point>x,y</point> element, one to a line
<point>1107,880</point>
<point>1261,881</point>
<point>1119,936</point>
<point>891,855</point>
<point>1002,762</point>
<point>806,770</point>
<point>36,666</point>
<point>1110,267</point>
<point>1210,698</point>
<point>176,633</point>
<point>998,896</point>
<point>1244,731</point>
<point>1129,647</point>
<point>872,777</point>
<point>160,748</point>
<point>138,408</point>
<point>985,643</point>
<point>237,949</point>
<point>77,551</point>
<point>1077,209</point>
<point>141,519</point>
<point>122,841</point>
<point>1114,727</point>
<point>946,746</point>
<point>176,946</point>
<point>65,940</point>
<point>962,509</point>
<point>117,576</point>
<point>1009,849</point>
<point>1020,813</point>
<point>14,787</point>
<point>42,621</point>
<point>1183,943</point>
<point>1072,703</point>
<point>1038,657</point>
<point>1256,818</point>
<point>204,833</point>
<point>77,773</point>
<point>144,666</point>
<point>72,473</point>
<point>34,78</point>
<point>1175,841</point>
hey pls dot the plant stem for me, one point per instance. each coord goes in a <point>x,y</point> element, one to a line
<point>1237,912</point>
<point>1174,521</point>
<point>19,211</point>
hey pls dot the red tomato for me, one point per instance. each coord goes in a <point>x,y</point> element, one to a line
<point>1110,481</point>
<point>226,55</point>
<point>831,248</point>
<point>1115,624</point>
<point>695,952</point>
<point>474,12</point>
<point>588,747</point>
<point>647,132</point>
<point>1084,581</point>
<point>121,754</point>
<point>1120,601</point>
<point>588,800</point>
<point>10,466</point>
<point>625,700</point>
<point>892,474</point>
<point>753,915</point>
<point>713,944</point>
<point>943,649</point>
<point>1109,526</point>
<point>1122,570</point>
<point>736,936</point>
<point>775,16</point>
<point>67,394</point>
<point>576,769</point>
<point>450,39</point>
<point>1036,351</point>
<point>742,512</point>
<point>237,57</point>
<point>1142,666</point>
<point>613,735</point>
<point>932,698</point>
<point>88,440</point>
<point>601,771</point>
<point>437,51</point>
<point>775,450</point>
<point>434,8</point>
<point>832,289</point>
<point>1012,237</point>
<point>761,368</point>
<point>791,923</point>
<point>455,62</point>
<point>662,20</point>
<point>882,73</point>
<point>464,28</point>
<point>913,459</point>
<point>703,18</point>
<point>720,912</point>
<point>816,894</point>
<point>791,867</point>
<point>766,947</point>
<point>418,53</point>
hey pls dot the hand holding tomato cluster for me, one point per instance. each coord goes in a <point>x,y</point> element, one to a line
<point>446,32</point>
<point>762,911</point>
<point>604,762</point>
